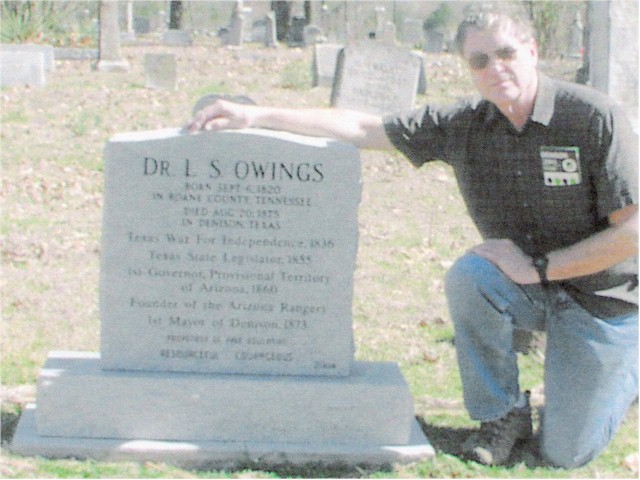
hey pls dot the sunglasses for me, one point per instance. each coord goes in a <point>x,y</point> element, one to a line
<point>478,61</point>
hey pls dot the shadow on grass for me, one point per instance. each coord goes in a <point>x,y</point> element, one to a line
<point>449,441</point>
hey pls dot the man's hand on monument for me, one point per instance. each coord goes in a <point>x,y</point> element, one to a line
<point>510,259</point>
<point>221,115</point>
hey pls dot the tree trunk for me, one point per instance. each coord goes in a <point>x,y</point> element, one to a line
<point>175,15</point>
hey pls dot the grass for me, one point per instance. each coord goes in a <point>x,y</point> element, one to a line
<point>296,75</point>
<point>413,225</point>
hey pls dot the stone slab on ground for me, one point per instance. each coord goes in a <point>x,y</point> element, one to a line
<point>69,53</point>
<point>217,455</point>
<point>46,50</point>
<point>22,68</point>
<point>76,398</point>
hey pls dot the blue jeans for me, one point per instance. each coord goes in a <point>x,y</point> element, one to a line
<point>591,365</point>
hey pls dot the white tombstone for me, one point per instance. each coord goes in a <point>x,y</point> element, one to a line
<point>325,59</point>
<point>613,51</point>
<point>225,299</point>
<point>237,252</point>
<point>160,71</point>
<point>177,38</point>
<point>22,68</point>
<point>376,78</point>
<point>110,52</point>
<point>47,51</point>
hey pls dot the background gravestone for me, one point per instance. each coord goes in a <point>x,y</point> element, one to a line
<point>433,41</point>
<point>376,78</point>
<point>613,52</point>
<point>270,39</point>
<point>160,70</point>
<point>412,32</point>
<point>295,34</point>
<point>47,50</point>
<point>233,35</point>
<point>177,37</point>
<point>388,35</point>
<point>22,68</point>
<point>325,58</point>
<point>110,52</point>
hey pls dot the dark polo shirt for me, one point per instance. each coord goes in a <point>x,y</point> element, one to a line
<point>547,187</point>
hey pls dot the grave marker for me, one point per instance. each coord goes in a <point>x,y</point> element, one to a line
<point>388,34</point>
<point>233,35</point>
<point>216,262</point>
<point>22,68</point>
<point>412,32</point>
<point>312,35</point>
<point>376,78</point>
<point>613,52</point>
<point>177,38</point>
<point>110,52</point>
<point>70,53</point>
<point>271,38</point>
<point>160,70</point>
<point>433,41</point>
<point>295,34</point>
<point>228,252</point>
<point>325,58</point>
<point>46,50</point>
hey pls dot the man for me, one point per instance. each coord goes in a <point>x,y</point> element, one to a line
<point>548,171</point>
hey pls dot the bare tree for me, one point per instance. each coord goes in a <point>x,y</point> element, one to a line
<point>546,16</point>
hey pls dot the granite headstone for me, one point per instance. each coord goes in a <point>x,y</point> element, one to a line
<point>376,78</point>
<point>160,70</point>
<point>22,68</point>
<point>225,302</point>
<point>216,262</point>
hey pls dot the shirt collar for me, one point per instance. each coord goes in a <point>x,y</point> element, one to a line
<point>545,101</point>
<point>542,108</point>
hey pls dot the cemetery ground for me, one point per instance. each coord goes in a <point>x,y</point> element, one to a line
<point>412,227</point>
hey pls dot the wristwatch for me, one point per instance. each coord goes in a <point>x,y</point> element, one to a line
<point>541,263</point>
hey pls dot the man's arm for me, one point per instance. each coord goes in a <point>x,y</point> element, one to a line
<point>600,251</point>
<point>591,255</point>
<point>360,129</point>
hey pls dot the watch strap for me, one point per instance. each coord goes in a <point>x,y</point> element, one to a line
<point>541,263</point>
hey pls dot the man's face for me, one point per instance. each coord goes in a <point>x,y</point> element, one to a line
<point>503,67</point>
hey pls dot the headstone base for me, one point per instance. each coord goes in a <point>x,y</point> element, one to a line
<point>221,421</point>
<point>216,455</point>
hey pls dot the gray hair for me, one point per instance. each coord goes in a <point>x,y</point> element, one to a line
<point>494,16</point>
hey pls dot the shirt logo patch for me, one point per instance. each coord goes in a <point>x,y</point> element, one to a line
<point>561,166</point>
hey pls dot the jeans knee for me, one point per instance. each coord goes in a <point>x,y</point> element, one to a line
<point>460,273</point>
<point>464,275</point>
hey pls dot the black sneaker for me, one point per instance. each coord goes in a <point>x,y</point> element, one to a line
<point>492,444</point>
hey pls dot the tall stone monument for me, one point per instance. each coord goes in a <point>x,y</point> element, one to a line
<point>225,302</point>
<point>110,53</point>
<point>612,51</point>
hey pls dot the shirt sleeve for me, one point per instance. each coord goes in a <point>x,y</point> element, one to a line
<point>617,182</point>
<point>431,133</point>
